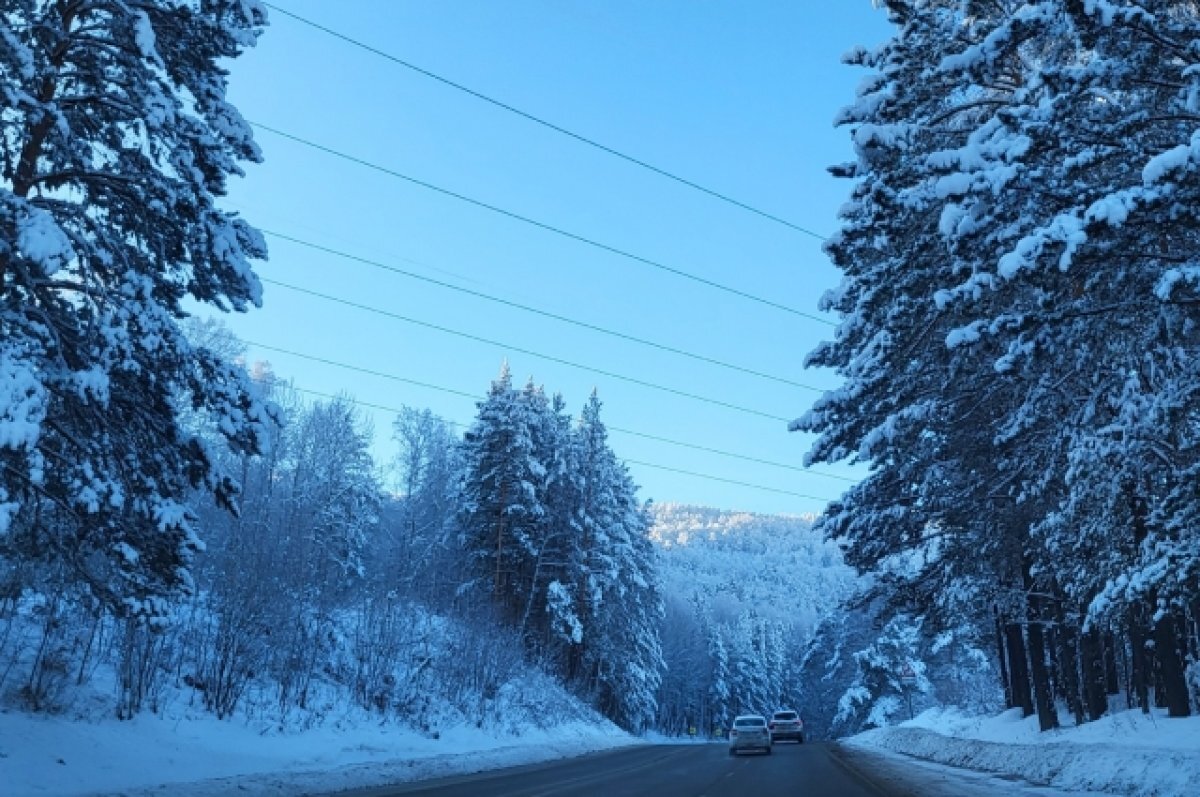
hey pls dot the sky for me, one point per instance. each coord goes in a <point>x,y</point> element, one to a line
<point>738,98</point>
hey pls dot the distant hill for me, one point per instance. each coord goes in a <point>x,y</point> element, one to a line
<point>744,594</point>
<point>776,565</point>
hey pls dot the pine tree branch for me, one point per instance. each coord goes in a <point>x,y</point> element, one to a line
<point>60,178</point>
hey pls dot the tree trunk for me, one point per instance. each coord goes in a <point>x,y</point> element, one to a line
<point>500,541</point>
<point>1094,671</point>
<point>1039,673</point>
<point>1170,665</point>
<point>1139,661</point>
<point>1192,631</point>
<point>1018,668</point>
<point>1145,671</point>
<point>1005,682</point>
<point>1158,687</point>
<point>1111,673</point>
<point>1066,638</point>
<point>1112,682</point>
<point>531,598</point>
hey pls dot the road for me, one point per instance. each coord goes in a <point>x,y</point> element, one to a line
<point>814,770</point>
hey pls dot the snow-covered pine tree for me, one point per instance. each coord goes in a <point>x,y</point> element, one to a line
<point>878,696</point>
<point>596,515</point>
<point>828,668</point>
<point>751,686</point>
<point>115,142</point>
<point>1082,288</point>
<point>720,693</point>
<point>640,611</point>
<point>500,512</point>
<point>565,616</point>
<point>621,604</point>
<point>551,522</point>
<point>1018,256</point>
<point>775,652</point>
<point>1123,314</point>
<point>551,622</point>
<point>921,411</point>
<point>684,700</point>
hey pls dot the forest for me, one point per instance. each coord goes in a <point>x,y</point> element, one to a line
<point>519,543</point>
<point>506,576</point>
<point>1019,344</point>
<point>1016,341</point>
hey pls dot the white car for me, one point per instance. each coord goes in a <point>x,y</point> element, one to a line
<point>749,732</point>
<point>786,724</point>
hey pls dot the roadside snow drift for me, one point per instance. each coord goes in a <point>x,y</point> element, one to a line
<point>202,756</point>
<point>1128,753</point>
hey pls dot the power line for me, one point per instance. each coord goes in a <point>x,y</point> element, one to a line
<point>358,402</point>
<point>744,457</point>
<point>693,474</point>
<point>542,225</point>
<point>530,352</point>
<point>544,123</point>
<point>727,481</point>
<point>477,397</point>
<point>534,310</point>
<point>361,370</point>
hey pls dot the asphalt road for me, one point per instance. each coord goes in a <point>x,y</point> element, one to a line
<point>813,770</point>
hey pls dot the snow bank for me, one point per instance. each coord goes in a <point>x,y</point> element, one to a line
<point>200,756</point>
<point>1128,753</point>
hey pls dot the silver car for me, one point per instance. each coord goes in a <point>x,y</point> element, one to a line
<point>749,732</point>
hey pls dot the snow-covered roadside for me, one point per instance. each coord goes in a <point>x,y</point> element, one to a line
<point>199,756</point>
<point>1129,753</point>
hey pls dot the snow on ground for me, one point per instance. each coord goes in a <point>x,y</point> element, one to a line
<point>1128,753</point>
<point>893,773</point>
<point>195,756</point>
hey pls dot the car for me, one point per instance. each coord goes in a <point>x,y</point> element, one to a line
<point>786,724</point>
<point>749,732</point>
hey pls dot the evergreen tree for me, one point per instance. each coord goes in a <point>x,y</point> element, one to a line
<point>879,695</point>
<point>719,693</point>
<point>551,617</point>
<point>828,669</point>
<point>115,142</point>
<point>622,605</point>
<point>500,515</point>
<point>1015,317</point>
<point>551,520</point>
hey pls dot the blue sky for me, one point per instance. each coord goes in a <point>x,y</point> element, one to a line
<point>737,97</point>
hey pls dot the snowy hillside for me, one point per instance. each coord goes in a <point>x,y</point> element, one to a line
<point>736,561</point>
<point>743,593</point>
<point>469,702</point>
